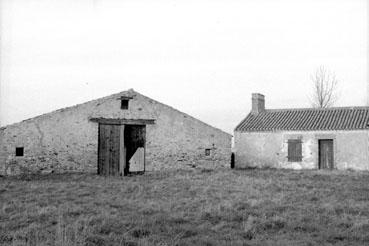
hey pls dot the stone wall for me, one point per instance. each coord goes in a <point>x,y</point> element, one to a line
<point>270,149</point>
<point>66,140</point>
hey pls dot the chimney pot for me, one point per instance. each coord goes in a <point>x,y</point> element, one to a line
<point>258,103</point>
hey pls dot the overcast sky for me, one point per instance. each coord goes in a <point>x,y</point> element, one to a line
<point>203,57</point>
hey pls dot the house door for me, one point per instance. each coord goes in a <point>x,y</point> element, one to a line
<point>326,158</point>
<point>108,149</point>
<point>134,143</point>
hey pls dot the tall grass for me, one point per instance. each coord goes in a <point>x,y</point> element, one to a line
<point>221,207</point>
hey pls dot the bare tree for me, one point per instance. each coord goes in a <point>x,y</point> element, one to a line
<point>325,88</point>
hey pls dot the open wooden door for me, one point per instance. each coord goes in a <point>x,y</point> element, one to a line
<point>109,149</point>
<point>121,145</point>
<point>326,157</point>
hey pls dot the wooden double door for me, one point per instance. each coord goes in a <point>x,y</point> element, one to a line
<point>121,149</point>
<point>326,154</point>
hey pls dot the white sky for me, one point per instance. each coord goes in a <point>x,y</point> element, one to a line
<point>204,57</point>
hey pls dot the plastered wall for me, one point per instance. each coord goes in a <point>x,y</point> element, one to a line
<point>270,149</point>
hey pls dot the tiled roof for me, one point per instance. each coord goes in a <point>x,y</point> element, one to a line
<point>310,119</point>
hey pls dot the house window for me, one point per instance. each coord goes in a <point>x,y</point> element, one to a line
<point>19,151</point>
<point>294,150</point>
<point>124,103</point>
<point>207,152</point>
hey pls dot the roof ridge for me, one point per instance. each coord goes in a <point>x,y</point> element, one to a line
<point>317,109</point>
<point>130,91</point>
<point>188,115</point>
<point>68,108</point>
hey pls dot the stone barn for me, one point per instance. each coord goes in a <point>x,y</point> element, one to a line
<point>115,135</point>
<point>332,138</point>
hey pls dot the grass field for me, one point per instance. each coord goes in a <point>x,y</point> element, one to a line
<point>199,207</point>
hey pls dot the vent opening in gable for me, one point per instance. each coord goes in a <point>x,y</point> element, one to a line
<point>124,104</point>
<point>19,151</point>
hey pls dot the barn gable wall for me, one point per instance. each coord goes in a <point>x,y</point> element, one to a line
<point>65,140</point>
<point>270,149</point>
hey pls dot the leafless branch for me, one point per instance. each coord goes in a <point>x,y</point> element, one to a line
<point>325,88</point>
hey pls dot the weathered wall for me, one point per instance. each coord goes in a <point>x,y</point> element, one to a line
<point>270,149</point>
<point>66,140</point>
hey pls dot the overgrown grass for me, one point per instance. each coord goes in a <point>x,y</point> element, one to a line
<point>222,207</point>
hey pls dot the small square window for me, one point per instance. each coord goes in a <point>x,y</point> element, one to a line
<point>19,151</point>
<point>207,152</point>
<point>124,104</point>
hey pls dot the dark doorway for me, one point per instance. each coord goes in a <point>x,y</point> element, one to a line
<point>326,158</point>
<point>134,143</point>
<point>108,149</point>
<point>232,160</point>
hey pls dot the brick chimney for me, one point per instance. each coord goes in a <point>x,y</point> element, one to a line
<point>258,103</point>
